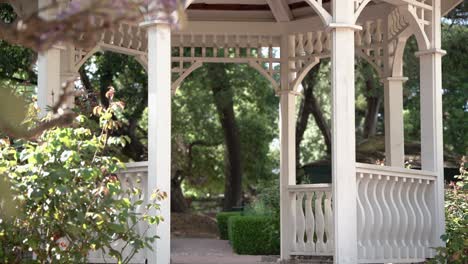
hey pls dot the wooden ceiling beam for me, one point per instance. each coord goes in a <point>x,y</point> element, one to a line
<point>280,10</point>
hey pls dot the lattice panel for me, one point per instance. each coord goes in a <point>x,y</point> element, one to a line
<point>127,38</point>
<point>421,10</point>
<point>190,51</point>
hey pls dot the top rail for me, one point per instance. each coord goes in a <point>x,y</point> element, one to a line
<point>141,166</point>
<point>395,171</point>
<point>310,187</point>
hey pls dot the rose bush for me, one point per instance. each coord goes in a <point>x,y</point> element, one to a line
<point>67,199</point>
<point>456,222</point>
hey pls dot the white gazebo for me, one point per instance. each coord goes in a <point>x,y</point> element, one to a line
<point>370,213</point>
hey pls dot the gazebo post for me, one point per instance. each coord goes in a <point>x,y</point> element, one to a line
<point>432,148</point>
<point>343,132</point>
<point>159,132</point>
<point>394,127</point>
<point>48,78</point>
<point>48,68</point>
<point>287,149</point>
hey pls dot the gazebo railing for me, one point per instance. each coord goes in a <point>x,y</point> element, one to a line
<point>395,208</point>
<point>313,219</point>
<point>395,214</point>
<point>135,175</point>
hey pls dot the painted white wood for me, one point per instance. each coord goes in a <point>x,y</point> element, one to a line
<point>313,221</point>
<point>287,171</point>
<point>394,217</point>
<point>287,150</point>
<point>280,10</point>
<point>396,171</point>
<point>300,241</point>
<point>431,117</point>
<point>135,175</point>
<point>394,127</point>
<point>343,133</point>
<point>330,236</point>
<point>319,223</point>
<point>320,10</point>
<point>48,79</point>
<point>310,223</point>
<point>431,130</point>
<point>159,132</point>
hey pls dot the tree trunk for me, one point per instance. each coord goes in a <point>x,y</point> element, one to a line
<point>310,106</point>
<point>223,97</point>
<point>178,202</point>
<point>373,106</point>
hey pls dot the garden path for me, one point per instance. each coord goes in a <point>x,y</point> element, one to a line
<point>207,251</point>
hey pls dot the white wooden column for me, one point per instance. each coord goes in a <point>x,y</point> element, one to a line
<point>287,149</point>
<point>343,132</point>
<point>48,79</point>
<point>432,147</point>
<point>159,132</point>
<point>48,67</point>
<point>394,126</point>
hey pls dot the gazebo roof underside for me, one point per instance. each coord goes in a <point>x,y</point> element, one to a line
<point>247,10</point>
<point>270,10</point>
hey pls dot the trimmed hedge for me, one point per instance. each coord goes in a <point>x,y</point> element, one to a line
<point>222,219</point>
<point>252,235</point>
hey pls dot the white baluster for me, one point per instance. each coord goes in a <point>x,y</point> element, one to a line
<point>395,220</point>
<point>427,234</point>
<point>369,219</point>
<point>378,31</point>
<point>405,219</point>
<point>300,223</point>
<point>309,48</point>
<point>417,196</point>
<point>329,222</point>
<point>310,223</point>
<point>318,43</point>
<point>387,219</point>
<point>379,216</point>
<point>412,222</point>
<point>320,222</point>
<point>361,216</point>
<point>300,50</point>
<point>368,34</point>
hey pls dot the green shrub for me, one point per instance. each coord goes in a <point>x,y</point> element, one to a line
<point>456,222</point>
<point>251,235</point>
<point>222,219</point>
<point>267,204</point>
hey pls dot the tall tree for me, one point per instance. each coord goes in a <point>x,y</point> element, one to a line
<point>369,86</point>
<point>223,96</point>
